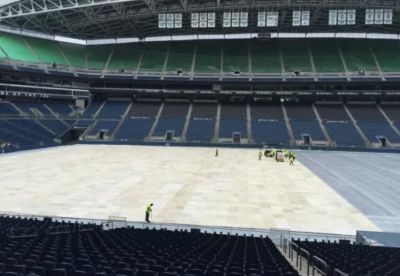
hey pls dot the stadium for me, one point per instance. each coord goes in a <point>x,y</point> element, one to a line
<point>199,137</point>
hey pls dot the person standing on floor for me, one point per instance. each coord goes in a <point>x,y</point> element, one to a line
<point>149,209</point>
<point>292,157</point>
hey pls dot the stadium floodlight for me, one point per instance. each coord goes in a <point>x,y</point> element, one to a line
<point>183,37</point>
<point>296,18</point>
<point>177,20</point>
<point>378,16</point>
<point>369,16</point>
<point>291,35</point>
<point>268,19</point>
<point>241,36</point>
<point>69,40</point>
<point>382,36</point>
<point>170,21</point>
<point>388,17</point>
<point>162,23</point>
<point>305,18</point>
<point>235,19</point>
<point>203,20</point>
<point>210,36</point>
<point>127,40</point>
<point>320,35</point>
<point>351,17</point>
<point>35,34</point>
<point>351,35</point>
<point>244,19</point>
<point>300,18</point>
<point>333,17</point>
<point>342,17</point>
<point>272,19</point>
<point>101,41</point>
<point>261,19</point>
<point>227,22</point>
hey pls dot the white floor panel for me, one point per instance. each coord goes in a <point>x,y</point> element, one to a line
<point>187,185</point>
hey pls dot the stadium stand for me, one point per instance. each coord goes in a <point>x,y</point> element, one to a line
<point>6,108</point>
<point>154,57</point>
<point>353,259</point>
<point>75,54</point>
<point>137,125</point>
<point>208,57</point>
<point>296,56</point>
<point>55,125</point>
<point>125,56</point>
<point>172,119</point>
<point>106,127</point>
<point>392,111</point>
<point>304,123</point>
<point>113,109</point>
<point>180,57</point>
<point>33,109</point>
<point>268,125</point>
<point>17,48</point>
<point>236,57</point>
<point>358,56</point>
<point>326,56</point>
<point>97,56</point>
<point>265,57</point>
<point>373,123</point>
<point>92,109</point>
<point>387,54</point>
<point>233,120</point>
<point>60,109</point>
<point>46,51</point>
<point>338,125</point>
<point>57,248</point>
<point>202,122</point>
<point>127,121</point>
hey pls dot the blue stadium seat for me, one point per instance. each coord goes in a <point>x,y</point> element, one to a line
<point>271,132</point>
<point>201,130</point>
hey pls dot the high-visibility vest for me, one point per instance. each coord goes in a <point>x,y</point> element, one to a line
<point>148,209</point>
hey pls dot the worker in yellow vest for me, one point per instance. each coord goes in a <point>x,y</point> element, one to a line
<point>149,209</point>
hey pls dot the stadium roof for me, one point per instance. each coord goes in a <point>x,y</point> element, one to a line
<point>100,19</point>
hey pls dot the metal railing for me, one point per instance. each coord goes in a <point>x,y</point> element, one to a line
<point>303,259</point>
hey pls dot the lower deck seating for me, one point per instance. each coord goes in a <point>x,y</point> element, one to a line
<point>135,129</point>
<point>33,109</point>
<point>55,125</point>
<point>61,109</point>
<point>165,125</point>
<point>373,130</point>
<point>354,259</point>
<point>307,127</point>
<point>25,132</point>
<point>91,109</point>
<point>201,130</point>
<point>105,126</point>
<point>344,133</point>
<point>7,109</point>
<point>270,132</point>
<point>228,127</point>
<point>9,135</point>
<point>113,109</point>
<point>128,251</point>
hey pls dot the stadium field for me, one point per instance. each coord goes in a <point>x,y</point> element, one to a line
<point>191,186</point>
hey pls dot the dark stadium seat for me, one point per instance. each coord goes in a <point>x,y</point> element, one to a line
<point>86,249</point>
<point>354,259</point>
